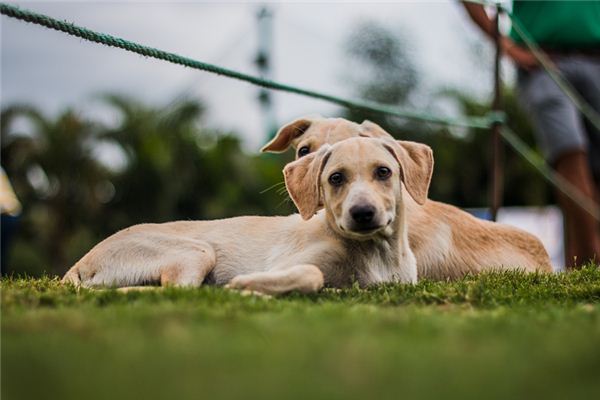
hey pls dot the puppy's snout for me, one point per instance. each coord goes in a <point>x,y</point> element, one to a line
<point>363,215</point>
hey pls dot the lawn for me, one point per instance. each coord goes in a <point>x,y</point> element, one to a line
<point>501,335</point>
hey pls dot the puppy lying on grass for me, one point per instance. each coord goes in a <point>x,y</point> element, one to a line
<point>447,242</point>
<point>360,236</point>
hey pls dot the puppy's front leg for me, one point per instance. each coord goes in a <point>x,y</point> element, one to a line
<point>304,278</point>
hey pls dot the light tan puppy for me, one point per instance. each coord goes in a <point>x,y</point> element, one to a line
<point>447,242</point>
<point>360,236</point>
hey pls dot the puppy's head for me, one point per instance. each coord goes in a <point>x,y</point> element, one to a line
<point>359,182</point>
<point>309,134</point>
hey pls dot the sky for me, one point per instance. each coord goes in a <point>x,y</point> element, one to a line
<point>54,71</point>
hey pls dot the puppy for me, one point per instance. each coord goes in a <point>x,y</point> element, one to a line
<point>447,242</point>
<point>360,236</point>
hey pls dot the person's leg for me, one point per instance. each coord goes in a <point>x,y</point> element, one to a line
<point>584,73</point>
<point>581,227</point>
<point>586,79</point>
<point>562,139</point>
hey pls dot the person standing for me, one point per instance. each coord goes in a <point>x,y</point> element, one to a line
<point>569,33</point>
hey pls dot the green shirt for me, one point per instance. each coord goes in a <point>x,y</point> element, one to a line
<point>559,24</point>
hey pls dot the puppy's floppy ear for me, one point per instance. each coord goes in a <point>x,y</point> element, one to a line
<point>416,164</point>
<point>371,129</point>
<point>282,140</point>
<point>302,181</point>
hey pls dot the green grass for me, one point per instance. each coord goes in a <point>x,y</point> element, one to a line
<point>506,335</point>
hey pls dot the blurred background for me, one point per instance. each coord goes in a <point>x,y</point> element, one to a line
<point>95,139</point>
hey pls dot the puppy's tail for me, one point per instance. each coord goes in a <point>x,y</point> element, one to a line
<point>72,277</point>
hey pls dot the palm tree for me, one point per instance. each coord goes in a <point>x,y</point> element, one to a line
<point>179,169</point>
<point>55,174</point>
<point>175,168</point>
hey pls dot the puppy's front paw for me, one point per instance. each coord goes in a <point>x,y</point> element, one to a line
<point>245,285</point>
<point>240,282</point>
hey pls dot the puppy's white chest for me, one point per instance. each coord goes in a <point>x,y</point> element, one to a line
<point>379,270</point>
<point>383,269</point>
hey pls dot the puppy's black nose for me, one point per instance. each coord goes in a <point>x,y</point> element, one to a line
<point>362,215</point>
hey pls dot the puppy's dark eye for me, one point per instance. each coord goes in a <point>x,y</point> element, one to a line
<point>302,151</point>
<point>336,179</point>
<point>383,173</point>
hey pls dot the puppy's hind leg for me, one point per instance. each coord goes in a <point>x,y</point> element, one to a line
<point>189,268</point>
<point>149,259</point>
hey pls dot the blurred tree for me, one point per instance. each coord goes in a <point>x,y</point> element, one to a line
<point>461,174</point>
<point>462,160</point>
<point>54,174</point>
<point>380,69</point>
<point>175,168</point>
<point>379,64</point>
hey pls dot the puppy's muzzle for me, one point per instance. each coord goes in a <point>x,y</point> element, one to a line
<point>363,218</point>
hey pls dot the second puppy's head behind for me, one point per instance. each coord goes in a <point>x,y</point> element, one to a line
<point>308,134</point>
<point>358,181</point>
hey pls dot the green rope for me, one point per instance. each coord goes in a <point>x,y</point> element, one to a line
<point>102,38</point>
<point>549,174</point>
